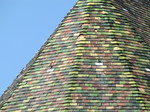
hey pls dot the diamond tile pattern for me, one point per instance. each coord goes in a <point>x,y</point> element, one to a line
<point>97,60</point>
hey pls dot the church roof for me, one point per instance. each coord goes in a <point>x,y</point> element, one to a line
<point>97,60</point>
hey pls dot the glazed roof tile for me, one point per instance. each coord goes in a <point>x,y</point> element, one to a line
<point>97,60</point>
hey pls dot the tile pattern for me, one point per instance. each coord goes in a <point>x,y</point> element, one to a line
<point>138,13</point>
<point>95,61</point>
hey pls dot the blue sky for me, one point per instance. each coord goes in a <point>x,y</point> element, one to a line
<point>24,27</point>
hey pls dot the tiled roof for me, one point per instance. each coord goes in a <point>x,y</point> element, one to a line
<point>97,60</point>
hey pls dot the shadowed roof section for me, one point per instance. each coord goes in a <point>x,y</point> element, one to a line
<point>137,12</point>
<point>97,60</point>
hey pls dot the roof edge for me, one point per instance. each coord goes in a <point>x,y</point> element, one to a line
<point>8,92</point>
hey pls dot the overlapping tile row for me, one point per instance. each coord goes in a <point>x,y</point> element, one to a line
<point>95,61</point>
<point>138,13</point>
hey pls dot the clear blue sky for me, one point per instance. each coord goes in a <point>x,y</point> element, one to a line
<point>24,27</point>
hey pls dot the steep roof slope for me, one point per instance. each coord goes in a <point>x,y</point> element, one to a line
<point>97,60</point>
<point>137,12</point>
